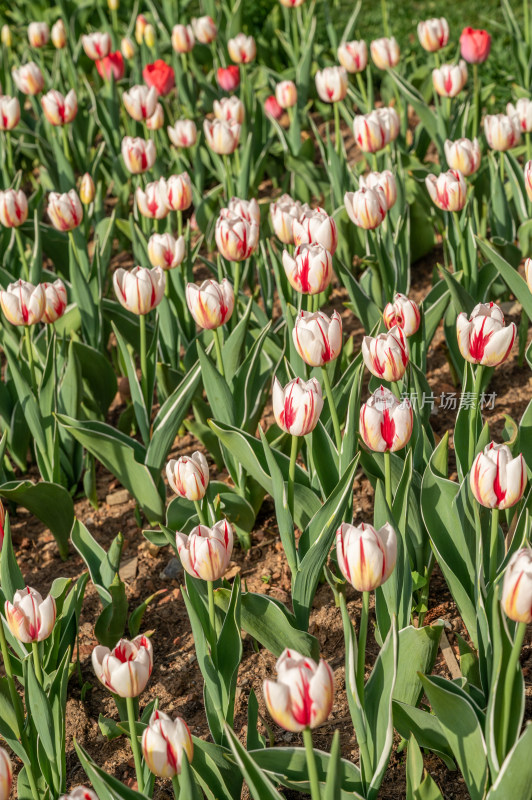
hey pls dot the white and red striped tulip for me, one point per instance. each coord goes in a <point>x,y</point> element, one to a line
<point>433,34</point>
<point>56,301</point>
<point>386,355</point>
<point>165,251</point>
<point>126,669</point>
<point>528,272</point>
<point>283,214</point>
<point>140,102</point>
<point>497,479</point>
<point>38,34</point>
<point>188,476</point>
<point>523,111</point>
<point>366,556</point>
<point>9,112</point>
<point>297,406</point>
<point>179,192</point>
<point>206,553</point>
<point>138,154</point>
<point>29,617</point>
<point>449,79</point>
<point>183,39</point>
<point>242,49</point>
<point>316,226</point>
<point>13,208</point>
<point>385,52</point>
<point>247,209</point>
<point>59,109</point>
<point>139,289</point>
<point>87,190</point>
<point>353,56</point>
<point>309,270</point>
<point>163,743</point>
<point>211,304</point>
<point>230,109</point>
<point>303,694</point>
<point>205,29</point>
<point>448,191</point>
<point>183,133</point>
<point>28,78</point>
<point>80,793</point>
<point>65,210</point>
<point>370,132</point>
<point>463,155</point>
<point>222,135</point>
<point>331,84</point>
<point>385,423</point>
<point>286,94</point>
<point>483,338</point>
<point>23,303</point>
<point>58,34</point>
<point>402,312</point>
<point>502,131</point>
<point>152,201</point>
<point>384,180</point>
<point>317,337</point>
<point>517,587</point>
<point>6,775</point>
<point>96,45</point>
<point>366,207</point>
<point>291,3</point>
<point>528,179</point>
<point>236,238</point>
<point>389,119</point>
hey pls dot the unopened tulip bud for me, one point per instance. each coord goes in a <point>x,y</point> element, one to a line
<point>230,109</point>
<point>38,34</point>
<point>23,303</point>
<point>183,39</point>
<point>402,312</point>
<point>13,208</point>
<point>164,742</point>
<point>7,39</point>
<point>188,476</point>
<point>96,45</point>
<point>65,210</point>
<point>497,479</point>
<point>386,355</point>
<point>331,84</point>
<point>166,252</point>
<point>286,94</point>
<point>517,587</point>
<point>56,301</point>
<point>316,227</point>
<point>317,337</point>
<point>138,154</point>
<point>385,422</point>
<point>272,107</point>
<point>297,406</point>
<point>179,192</point>
<point>80,793</point>
<point>58,34</point>
<point>475,45</point>
<point>211,304</point>
<point>183,133</point>
<point>303,694</point>
<point>29,617</point>
<point>248,210</point>
<point>206,553</point>
<point>222,136</point>
<point>149,35</point>
<point>385,52</point>
<point>366,207</point>
<point>353,56</point>
<point>447,191</point>
<point>433,34</point>
<point>59,110</point>
<point>366,556</point>
<point>528,272</point>
<point>242,49</point>
<point>140,27</point>
<point>523,111</point>
<point>126,669</point>
<point>6,775</point>
<point>127,48</point>
<point>449,79</point>
<point>111,66</point>
<point>236,238</point>
<point>382,180</point>
<point>139,289</point>
<point>204,29</point>
<point>528,179</point>
<point>113,5</point>
<point>370,132</point>
<point>228,78</point>
<point>87,190</point>
<point>283,213</point>
<point>156,121</point>
<point>291,3</point>
<point>463,155</point>
<point>28,78</point>
<point>140,102</point>
<point>309,270</point>
<point>389,120</point>
<point>502,132</point>
<point>9,112</point>
<point>483,338</point>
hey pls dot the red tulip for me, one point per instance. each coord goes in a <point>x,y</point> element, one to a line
<point>113,64</point>
<point>475,45</point>
<point>228,78</point>
<point>160,75</point>
<point>272,107</point>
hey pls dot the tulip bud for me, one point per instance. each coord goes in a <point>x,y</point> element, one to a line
<point>138,154</point>
<point>183,38</point>
<point>59,110</point>
<point>7,39</point>
<point>179,192</point>
<point>6,775</point>
<point>160,76</point>
<point>528,272</point>
<point>242,49</point>
<point>139,289</point>
<point>149,35</point>
<point>272,107</point>
<point>183,133</point>
<point>309,270</point>
<point>164,251</point>
<point>189,476</point>
<point>38,34</point>
<point>28,78</point>
<point>528,179</point>
<point>297,406</point>
<point>389,120</point>
<point>56,301</point>
<point>126,669</point>
<point>463,155</point>
<point>385,52</point>
<point>111,66</point>
<point>283,213</point>
<point>502,132</point>
<point>286,94</point>
<point>80,793</point>
<point>433,34</point>
<point>230,109</point>
<point>523,111</point>
<point>402,312</point>
<point>87,190</point>
<point>497,479</point>
<point>386,355</point>
<point>475,45</point>
<point>370,132</point>
<point>9,112</point>
<point>316,227</point>
<point>317,337</point>
<point>65,210</point>
<point>96,45</point>
<point>13,208</point>
<point>23,303</point>
<point>140,27</point>
<point>228,78</point>
<point>204,29</point>
<point>127,48</point>
<point>291,3</point>
<point>353,56</point>
<point>483,338</point>
<point>517,587</point>
<point>366,556</point>
<point>140,102</point>
<point>29,617</point>
<point>152,201</point>
<point>366,207</point>
<point>211,304</point>
<point>246,209</point>
<point>206,553</point>
<point>448,190</point>
<point>385,423</point>
<point>331,84</point>
<point>163,743</point>
<point>222,136</point>
<point>449,79</point>
<point>303,694</point>
<point>59,38</point>
<point>113,5</point>
<point>236,238</point>
<point>382,180</point>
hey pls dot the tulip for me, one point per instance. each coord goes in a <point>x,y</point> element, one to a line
<point>331,84</point>
<point>497,479</point>
<point>366,207</point>
<point>297,406</point>
<point>448,190</point>
<point>523,111</point>
<point>80,793</point>
<point>483,338</point>
<point>183,133</point>
<point>140,27</point>
<point>59,110</point>
<point>370,132</point>
<point>138,154</point>
<point>9,112</point>
<point>6,775</point>
<point>6,36</point>
<point>127,48</point>
<point>140,102</point>
<point>152,201</point>
<point>383,180</point>
<point>126,669</point>
<point>353,56</point>
<point>236,238</point>
<point>528,272</point>
<point>113,5</point>
<point>502,132</point>
<point>149,35</point>
<point>188,476</point>
<point>386,355</point>
<point>65,210</point>
<point>302,696</point>
<point>247,209</point>
<point>317,337</point>
<point>55,299</point>
<point>463,155</point>
<point>283,213</point>
<point>28,78</point>
<point>402,312</point>
<point>163,743</point>
<point>433,34</point>
<point>222,136</point>
<point>272,107</point>
<point>179,192</point>
<point>183,39</point>
<point>13,208</point>
<point>206,553</point>
<point>112,66</point>
<point>230,109</point>
<point>228,78</point>
<point>59,38</point>
<point>211,304</point>
<point>159,76</point>
<point>385,423</point>
<point>291,3</point>
<point>166,252</point>
<point>366,556</point>
<point>242,49</point>
<point>309,270</point>
<point>385,52</point>
<point>517,587</point>
<point>449,79</point>
<point>29,617</point>
<point>286,94</point>
<point>23,303</point>
<point>204,29</point>
<point>475,45</point>
<point>38,34</point>
<point>316,226</point>
<point>96,45</point>
<point>156,121</point>
<point>389,120</point>
<point>139,289</point>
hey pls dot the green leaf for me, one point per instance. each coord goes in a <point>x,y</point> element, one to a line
<point>103,566</point>
<point>99,379</point>
<point>41,714</point>
<point>188,788</point>
<point>214,771</point>
<point>511,276</point>
<point>49,502</point>
<point>106,786</point>
<point>10,574</point>
<point>515,776</point>
<point>417,652</point>
<point>378,694</point>
<point>111,623</point>
<point>280,499</point>
<point>260,786</point>
<point>137,397</point>
<point>425,727</point>
<point>216,388</point>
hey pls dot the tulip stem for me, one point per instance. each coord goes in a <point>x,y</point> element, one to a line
<point>66,148</point>
<point>37,661</point>
<point>218,348</point>
<point>463,251</point>
<point>501,167</point>
<point>291,474</point>
<point>311,765</point>
<point>199,512</point>
<point>337,134</point>
<point>476,93</point>
<point>362,637</point>
<point>494,539</point>
<point>236,281</point>
<point>212,611</point>
<point>388,478</point>
<point>20,245</point>
<point>137,758</point>
<point>513,665</point>
<point>143,359</point>
<point>229,177</point>
<point>29,348</point>
<point>473,416</point>
<point>179,222</point>
<point>175,787</point>
<point>332,409</point>
<point>385,25</point>
<point>526,15</point>
<point>15,697</point>
<point>363,91</point>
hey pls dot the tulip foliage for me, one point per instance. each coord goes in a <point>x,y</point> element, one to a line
<point>211,223</point>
